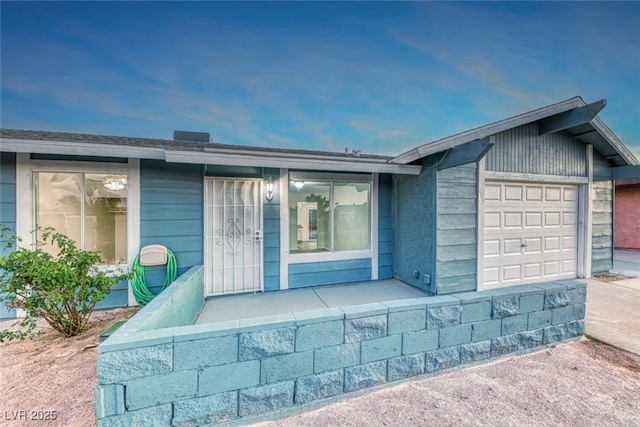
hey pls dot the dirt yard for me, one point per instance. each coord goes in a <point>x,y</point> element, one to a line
<point>582,383</point>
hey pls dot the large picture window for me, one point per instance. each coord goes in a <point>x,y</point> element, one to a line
<point>90,208</point>
<point>329,216</point>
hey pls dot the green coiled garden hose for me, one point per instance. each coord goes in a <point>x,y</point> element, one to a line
<point>139,286</point>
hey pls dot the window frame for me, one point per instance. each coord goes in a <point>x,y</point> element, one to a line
<point>26,169</point>
<point>333,255</point>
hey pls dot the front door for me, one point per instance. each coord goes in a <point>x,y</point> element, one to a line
<point>233,236</point>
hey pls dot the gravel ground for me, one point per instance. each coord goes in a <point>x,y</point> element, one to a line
<point>582,383</point>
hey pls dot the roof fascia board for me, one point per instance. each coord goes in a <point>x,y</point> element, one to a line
<point>568,119</point>
<point>255,159</point>
<point>284,153</point>
<point>466,153</point>
<point>625,172</point>
<point>613,140</point>
<point>79,149</point>
<point>488,130</point>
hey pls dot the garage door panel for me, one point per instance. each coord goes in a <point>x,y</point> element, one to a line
<point>551,219</point>
<point>513,219</point>
<point>512,246</point>
<point>534,193</point>
<point>533,219</point>
<point>533,245</point>
<point>530,233</point>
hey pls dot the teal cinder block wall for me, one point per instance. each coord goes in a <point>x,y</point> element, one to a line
<point>224,372</point>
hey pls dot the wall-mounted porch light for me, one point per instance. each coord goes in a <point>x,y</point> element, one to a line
<point>268,188</point>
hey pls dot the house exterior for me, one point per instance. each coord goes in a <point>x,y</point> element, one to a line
<point>626,220</point>
<point>524,200</point>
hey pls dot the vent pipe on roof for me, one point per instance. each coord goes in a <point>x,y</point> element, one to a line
<point>182,135</point>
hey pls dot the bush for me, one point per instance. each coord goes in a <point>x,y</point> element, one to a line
<point>63,289</point>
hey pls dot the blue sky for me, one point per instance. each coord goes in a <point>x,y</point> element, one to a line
<point>380,77</point>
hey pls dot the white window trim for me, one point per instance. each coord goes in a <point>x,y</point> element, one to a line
<point>25,197</point>
<point>309,257</point>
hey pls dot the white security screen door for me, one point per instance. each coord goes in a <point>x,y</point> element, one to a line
<point>530,233</point>
<point>233,236</point>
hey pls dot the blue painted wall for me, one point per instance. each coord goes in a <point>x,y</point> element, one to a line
<point>171,214</point>
<point>329,273</point>
<point>7,209</point>
<point>415,224</point>
<point>385,226</point>
<point>271,243</point>
<point>457,207</point>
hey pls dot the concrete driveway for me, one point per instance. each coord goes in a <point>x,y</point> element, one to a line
<point>613,308</point>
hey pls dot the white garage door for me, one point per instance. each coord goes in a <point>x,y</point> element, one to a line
<point>530,233</point>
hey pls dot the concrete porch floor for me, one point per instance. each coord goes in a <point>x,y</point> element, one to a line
<point>243,306</point>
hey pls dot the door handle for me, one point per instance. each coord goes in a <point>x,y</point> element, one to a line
<point>258,236</point>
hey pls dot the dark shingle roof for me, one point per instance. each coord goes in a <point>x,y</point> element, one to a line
<point>165,143</point>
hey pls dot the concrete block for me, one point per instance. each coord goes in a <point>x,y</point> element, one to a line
<point>442,359</point>
<point>553,334</point>
<point>476,312</point>
<point>577,295</point>
<point>539,319</point>
<point>205,410</point>
<point>532,302</point>
<point>155,416</point>
<point>556,300</point>
<point>363,376</point>
<point>336,357</point>
<point>440,301</point>
<point>475,351</point>
<point>406,321</point>
<point>318,316</point>
<point>513,324</point>
<point>234,376</point>
<point>530,339</point>
<point>320,386</point>
<point>421,341</point>
<point>579,311</point>
<point>405,366</point>
<point>487,329</point>
<point>109,400</point>
<point>206,352</point>
<point>365,310</point>
<point>274,321</point>
<point>505,307</point>
<point>442,317</point>
<point>258,400</point>
<point>406,305</point>
<point>455,335</point>
<point>504,345</point>
<point>125,365</point>
<point>318,335</point>
<point>261,344</point>
<point>285,367</point>
<point>365,328</point>
<point>380,348</point>
<point>472,297</point>
<point>207,330</point>
<point>562,315</point>
<point>574,328</point>
<point>153,391</point>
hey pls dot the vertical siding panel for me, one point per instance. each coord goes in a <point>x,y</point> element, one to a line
<point>522,150</point>
<point>271,232</point>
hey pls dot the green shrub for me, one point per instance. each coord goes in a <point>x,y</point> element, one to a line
<point>63,289</point>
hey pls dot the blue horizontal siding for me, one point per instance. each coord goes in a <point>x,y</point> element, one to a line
<point>329,273</point>
<point>171,210</point>
<point>119,297</point>
<point>7,210</point>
